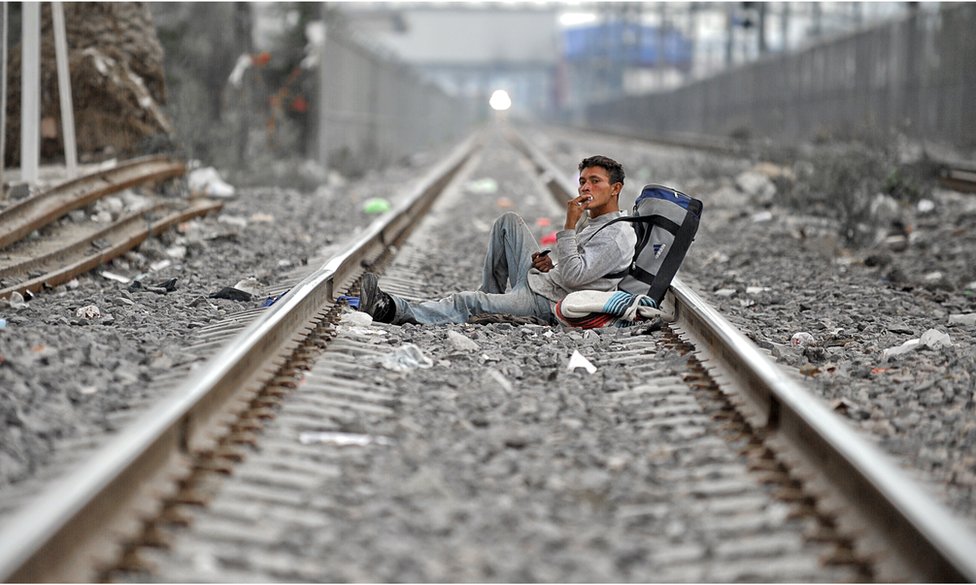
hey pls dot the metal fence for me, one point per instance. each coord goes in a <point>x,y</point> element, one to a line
<point>913,76</point>
<point>373,109</point>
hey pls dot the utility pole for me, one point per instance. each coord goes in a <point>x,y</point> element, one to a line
<point>817,26</point>
<point>323,80</point>
<point>784,27</point>
<point>729,33</point>
<point>30,92</point>
<point>692,39</point>
<point>242,30</point>
<point>761,28</point>
<point>4,28</point>
<point>662,45</point>
<point>64,90</point>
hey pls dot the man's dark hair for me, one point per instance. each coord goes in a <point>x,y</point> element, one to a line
<point>612,167</point>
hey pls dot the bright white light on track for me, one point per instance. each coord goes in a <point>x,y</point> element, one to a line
<point>500,101</point>
<point>568,19</point>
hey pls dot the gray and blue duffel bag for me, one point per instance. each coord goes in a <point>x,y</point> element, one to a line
<point>666,221</point>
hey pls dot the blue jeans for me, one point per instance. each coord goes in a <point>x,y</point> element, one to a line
<point>507,262</point>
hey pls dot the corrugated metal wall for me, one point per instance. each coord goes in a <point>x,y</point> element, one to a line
<point>374,110</point>
<point>915,76</point>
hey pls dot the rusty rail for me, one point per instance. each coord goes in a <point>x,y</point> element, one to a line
<point>958,178</point>
<point>20,219</point>
<point>73,259</point>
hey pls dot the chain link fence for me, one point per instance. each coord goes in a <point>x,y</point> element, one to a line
<point>913,76</point>
<point>373,109</point>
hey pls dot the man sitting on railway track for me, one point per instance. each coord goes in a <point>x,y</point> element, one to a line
<point>522,281</point>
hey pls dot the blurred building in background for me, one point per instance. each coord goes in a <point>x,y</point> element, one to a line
<point>472,48</point>
<point>355,85</point>
<point>556,56</point>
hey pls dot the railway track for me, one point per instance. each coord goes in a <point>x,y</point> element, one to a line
<point>241,442</point>
<point>958,178</point>
<point>67,250</point>
<point>952,173</point>
<point>865,490</point>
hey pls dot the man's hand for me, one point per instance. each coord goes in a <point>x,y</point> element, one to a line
<point>541,261</point>
<point>575,208</point>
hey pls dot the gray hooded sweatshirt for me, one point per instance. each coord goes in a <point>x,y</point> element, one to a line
<point>583,260</point>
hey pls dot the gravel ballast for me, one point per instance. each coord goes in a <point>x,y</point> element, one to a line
<point>63,375</point>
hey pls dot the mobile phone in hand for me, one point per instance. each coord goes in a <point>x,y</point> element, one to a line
<point>544,252</point>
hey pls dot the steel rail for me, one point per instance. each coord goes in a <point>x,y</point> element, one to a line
<point>71,531</point>
<point>958,178</point>
<point>919,532</point>
<point>20,219</point>
<point>127,233</point>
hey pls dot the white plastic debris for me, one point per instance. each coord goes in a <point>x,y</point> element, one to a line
<point>237,74</point>
<point>17,301</point>
<point>160,265</point>
<point>342,439</point>
<point>89,312</point>
<point>801,339</point>
<point>485,185</point>
<point>762,216</point>
<point>88,390</point>
<point>249,285</point>
<point>932,339</point>
<point>115,277</point>
<point>460,342</point>
<point>925,206</point>
<point>102,217</point>
<point>910,345</point>
<point>113,205</point>
<point>933,276</point>
<point>755,290</point>
<point>364,331</point>
<point>884,209</point>
<point>261,217</point>
<point>756,184</point>
<point>72,284</point>
<point>176,252</point>
<point>962,319</point>
<point>102,62</point>
<point>725,292</point>
<point>207,181</point>
<point>315,33</point>
<point>578,361</point>
<point>233,220</point>
<point>405,358</point>
<point>935,339</point>
<point>356,318</point>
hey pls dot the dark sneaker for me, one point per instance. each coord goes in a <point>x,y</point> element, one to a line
<point>373,301</point>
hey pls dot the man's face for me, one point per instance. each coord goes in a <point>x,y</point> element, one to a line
<point>595,182</point>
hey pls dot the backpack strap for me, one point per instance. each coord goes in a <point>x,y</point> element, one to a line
<point>682,241</point>
<point>619,273</point>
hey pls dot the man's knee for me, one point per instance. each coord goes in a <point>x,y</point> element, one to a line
<point>509,219</point>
